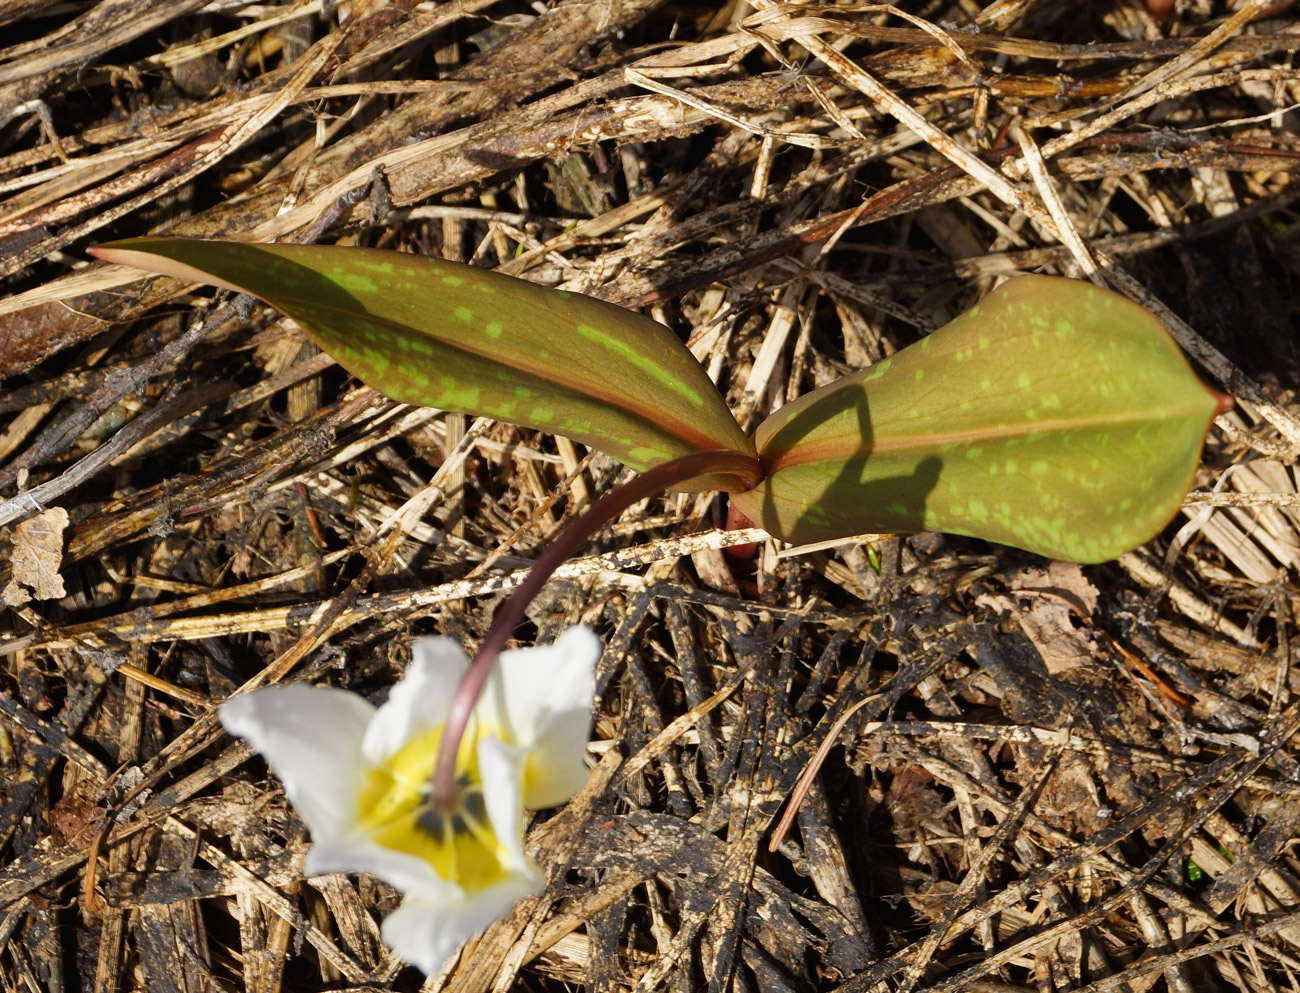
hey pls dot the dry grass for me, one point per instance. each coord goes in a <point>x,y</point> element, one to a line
<point>1036,776</point>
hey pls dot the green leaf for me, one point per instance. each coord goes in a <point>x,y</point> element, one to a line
<point>440,334</point>
<point>1055,417</point>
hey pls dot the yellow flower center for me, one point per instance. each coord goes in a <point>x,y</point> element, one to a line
<point>395,812</point>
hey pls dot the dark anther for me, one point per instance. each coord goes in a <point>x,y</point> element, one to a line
<point>473,806</point>
<point>467,805</point>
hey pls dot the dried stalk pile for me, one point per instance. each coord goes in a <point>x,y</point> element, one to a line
<point>1035,776</point>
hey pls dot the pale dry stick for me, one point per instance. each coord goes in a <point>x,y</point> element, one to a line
<point>1165,91</point>
<point>408,515</point>
<point>1184,600</point>
<point>1006,233</point>
<point>438,212</point>
<point>1156,935</point>
<point>769,354</point>
<point>146,678</point>
<point>453,433</point>
<point>1231,26</point>
<point>1222,126</point>
<point>762,169</point>
<point>1242,499</point>
<point>1065,229</point>
<point>18,430</point>
<point>1196,521</point>
<point>639,78</point>
<point>1273,448</point>
<point>836,113</point>
<point>41,110</point>
<point>1282,681</point>
<point>820,546</point>
<point>179,54</point>
<point>844,227</point>
<point>942,36</point>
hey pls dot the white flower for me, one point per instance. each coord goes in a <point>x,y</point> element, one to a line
<point>359,777</point>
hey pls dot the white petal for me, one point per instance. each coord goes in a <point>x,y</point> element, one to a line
<point>408,873</point>
<point>501,767</point>
<point>419,702</point>
<point>426,933</point>
<point>544,696</point>
<point>311,737</point>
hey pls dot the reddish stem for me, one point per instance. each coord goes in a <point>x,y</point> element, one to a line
<point>443,793</point>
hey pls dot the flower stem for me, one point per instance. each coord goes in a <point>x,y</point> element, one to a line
<point>443,791</point>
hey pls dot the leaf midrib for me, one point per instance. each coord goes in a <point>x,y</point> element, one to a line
<point>931,440</point>
<point>587,389</point>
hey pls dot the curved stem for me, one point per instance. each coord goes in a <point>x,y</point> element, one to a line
<point>566,544</point>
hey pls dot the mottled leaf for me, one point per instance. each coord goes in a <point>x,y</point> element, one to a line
<point>440,334</point>
<point>1055,416</point>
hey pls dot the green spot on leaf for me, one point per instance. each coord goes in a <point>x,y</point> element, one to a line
<point>641,361</point>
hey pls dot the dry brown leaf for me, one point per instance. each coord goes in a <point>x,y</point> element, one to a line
<point>1056,594</point>
<point>37,552</point>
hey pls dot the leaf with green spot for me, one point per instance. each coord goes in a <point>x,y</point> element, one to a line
<point>441,334</point>
<point>1055,417</point>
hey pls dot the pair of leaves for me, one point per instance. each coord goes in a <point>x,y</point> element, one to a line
<point>1054,416</point>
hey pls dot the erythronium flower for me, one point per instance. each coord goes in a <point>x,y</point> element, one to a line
<point>360,777</point>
